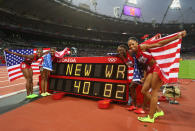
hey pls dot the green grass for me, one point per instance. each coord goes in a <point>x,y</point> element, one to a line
<point>187,69</point>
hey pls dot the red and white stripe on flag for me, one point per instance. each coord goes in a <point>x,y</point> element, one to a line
<point>167,58</point>
<point>130,74</point>
<point>14,72</point>
<point>60,54</point>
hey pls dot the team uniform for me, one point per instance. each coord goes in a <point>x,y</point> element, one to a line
<point>134,75</point>
<point>145,58</point>
<point>129,62</point>
<point>41,64</point>
<point>26,64</point>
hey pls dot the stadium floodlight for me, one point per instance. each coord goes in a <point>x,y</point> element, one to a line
<point>153,23</point>
<point>116,12</point>
<point>175,4</point>
<point>84,6</point>
<point>70,1</point>
<point>135,20</point>
<point>132,1</point>
<point>89,28</point>
<point>181,26</point>
<point>94,3</point>
<point>124,33</point>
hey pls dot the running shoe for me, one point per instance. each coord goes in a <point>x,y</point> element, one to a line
<point>157,114</point>
<point>47,93</point>
<point>139,111</point>
<point>43,94</point>
<point>131,108</point>
<point>162,98</point>
<point>28,97</point>
<point>146,119</point>
<point>34,95</point>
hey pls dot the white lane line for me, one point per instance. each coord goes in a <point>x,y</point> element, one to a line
<point>17,92</point>
<point>19,79</point>
<point>4,80</point>
<point>14,85</point>
<point>4,77</point>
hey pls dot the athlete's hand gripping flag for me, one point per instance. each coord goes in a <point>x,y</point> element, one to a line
<point>167,57</point>
<point>60,54</point>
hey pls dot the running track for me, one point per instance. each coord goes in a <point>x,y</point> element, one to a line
<point>11,88</point>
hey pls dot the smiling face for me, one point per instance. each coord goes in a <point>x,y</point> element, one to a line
<point>52,51</point>
<point>133,45</point>
<point>121,50</point>
<point>39,52</point>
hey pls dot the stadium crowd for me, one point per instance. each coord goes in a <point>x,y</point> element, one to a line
<point>17,31</point>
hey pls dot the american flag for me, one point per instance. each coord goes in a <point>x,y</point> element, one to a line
<point>137,73</point>
<point>47,62</point>
<point>13,63</point>
<point>130,74</point>
<point>60,54</point>
<point>36,64</point>
<point>167,58</point>
<point>134,73</point>
<point>130,69</point>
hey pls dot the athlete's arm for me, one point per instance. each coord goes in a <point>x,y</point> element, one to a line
<point>163,42</point>
<point>18,54</point>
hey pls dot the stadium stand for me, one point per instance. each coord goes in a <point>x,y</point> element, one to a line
<point>36,25</point>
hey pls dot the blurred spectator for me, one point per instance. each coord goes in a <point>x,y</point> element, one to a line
<point>73,52</point>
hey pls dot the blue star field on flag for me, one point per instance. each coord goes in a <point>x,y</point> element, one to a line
<point>47,62</point>
<point>12,59</point>
<point>137,74</point>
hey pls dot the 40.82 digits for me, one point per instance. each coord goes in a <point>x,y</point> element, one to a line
<point>107,90</point>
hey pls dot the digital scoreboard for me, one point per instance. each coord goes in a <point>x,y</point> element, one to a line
<point>97,77</point>
<point>131,11</point>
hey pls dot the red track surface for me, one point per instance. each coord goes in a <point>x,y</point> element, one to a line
<point>80,114</point>
<point>76,114</point>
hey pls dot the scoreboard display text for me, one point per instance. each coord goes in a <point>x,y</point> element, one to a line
<point>98,77</point>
